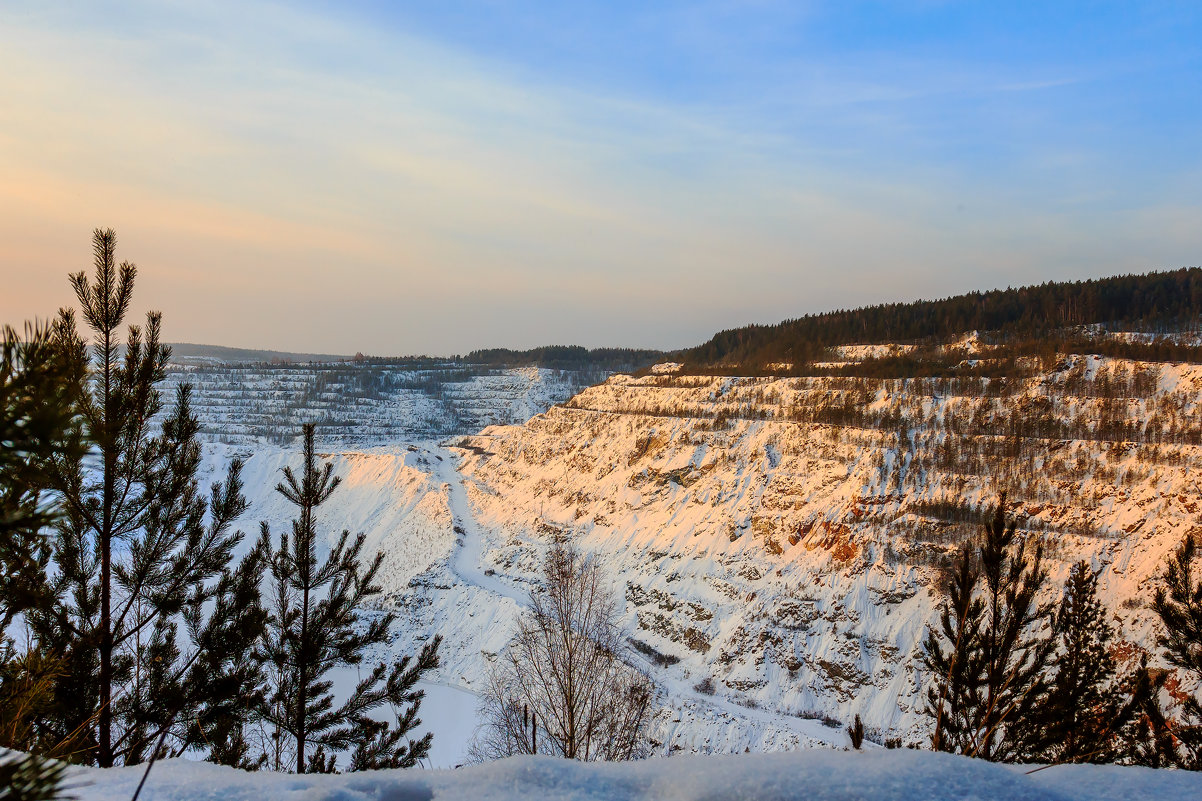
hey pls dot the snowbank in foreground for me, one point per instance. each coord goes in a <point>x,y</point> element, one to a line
<point>804,775</point>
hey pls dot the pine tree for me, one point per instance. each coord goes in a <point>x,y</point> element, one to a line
<point>1178,603</point>
<point>39,385</point>
<point>957,671</point>
<point>1083,710</point>
<point>141,554</point>
<point>314,627</point>
<point>1146,738</point>
<point>986,656</point>
<point>1015,654</point>
<point>27,777</point>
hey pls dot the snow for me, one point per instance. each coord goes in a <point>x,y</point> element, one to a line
<point>786,562</point>
<point>366,404</point>
<point>467,560</point>
<point>452,714</point>
<point>789,562</point>
<point>804,775</point>
<point>681,509</point>
<point>857,353</point>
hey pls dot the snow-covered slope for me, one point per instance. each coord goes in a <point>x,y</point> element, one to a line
<point>814,776</point>
<point>779,543</point>
<point>796,562</point>
<point>361,404</point>
<point>388,493</point>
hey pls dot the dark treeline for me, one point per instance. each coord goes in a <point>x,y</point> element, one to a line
<point>1156,302</point>
<point>553,357</point>
<point>567,357</point>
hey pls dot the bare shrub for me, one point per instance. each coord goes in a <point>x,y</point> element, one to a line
<point>561,688</point>
<point>856,732</point>
<point>655,656</point>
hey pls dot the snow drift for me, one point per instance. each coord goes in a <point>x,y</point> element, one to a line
<point>810,775</point>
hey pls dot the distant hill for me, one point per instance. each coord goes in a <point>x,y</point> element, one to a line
<point>555,357</point>
<point>1154,302</point>
<point>193,354</point>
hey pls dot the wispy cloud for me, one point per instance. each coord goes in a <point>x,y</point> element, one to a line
<point>304,179</point>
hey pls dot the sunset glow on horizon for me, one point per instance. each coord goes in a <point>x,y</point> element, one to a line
<point>430,178</point>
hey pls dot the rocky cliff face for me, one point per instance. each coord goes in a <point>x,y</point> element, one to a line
<point>780,543</point>
<point>786,538</point>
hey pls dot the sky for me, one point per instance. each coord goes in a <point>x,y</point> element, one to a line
<point>401,178</point>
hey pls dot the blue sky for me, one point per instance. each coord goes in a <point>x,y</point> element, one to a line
<point>435,177</point>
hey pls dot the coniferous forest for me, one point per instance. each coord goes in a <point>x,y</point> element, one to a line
<point>1055,312</point>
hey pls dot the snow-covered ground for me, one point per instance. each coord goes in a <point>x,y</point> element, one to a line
<point>805,776</point>
<point>794,564</point>
<point>414,505</point>
<point>797,563</point>
<point>450,713</point>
